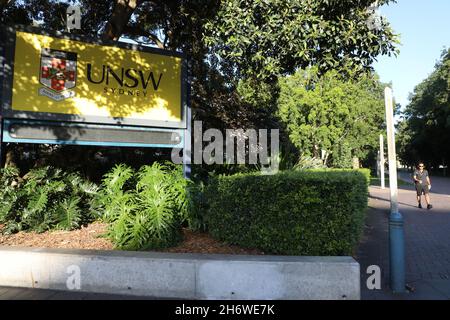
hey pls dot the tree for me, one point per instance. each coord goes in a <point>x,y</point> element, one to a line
<point>340,117</point>
<point>424,134</point>
<point>259,41</point>
<point>267,38</point>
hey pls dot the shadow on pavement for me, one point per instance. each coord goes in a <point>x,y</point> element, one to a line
<point>387,200</point>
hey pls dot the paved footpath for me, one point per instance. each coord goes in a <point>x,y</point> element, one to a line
<point>427,242</point>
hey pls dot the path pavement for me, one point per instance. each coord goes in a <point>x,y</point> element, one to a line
<point>427,242</point>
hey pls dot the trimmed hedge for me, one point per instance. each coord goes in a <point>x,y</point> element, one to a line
<point>318,213</point>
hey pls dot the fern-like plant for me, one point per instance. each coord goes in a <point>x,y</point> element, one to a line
<point>44,199</point>
<point>68,214</point>
<point>145,209</point>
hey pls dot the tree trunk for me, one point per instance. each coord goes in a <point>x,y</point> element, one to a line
<point>123,9</point>
<point>316,152</point>
<point>325,161</point>
<point>355,162</point>
<point>10,158</point>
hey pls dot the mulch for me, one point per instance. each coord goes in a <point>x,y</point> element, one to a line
<point>90,237</point>
<point>85,238</point>
<point>199,242</point>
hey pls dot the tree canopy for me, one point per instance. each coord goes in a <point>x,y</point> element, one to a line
<point>424,133</point>
<point>263,38</point>
<point>342,118</point>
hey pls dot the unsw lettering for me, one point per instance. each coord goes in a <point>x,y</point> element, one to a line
<point>129,78</point>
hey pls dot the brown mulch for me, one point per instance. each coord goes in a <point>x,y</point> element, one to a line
<point>84,238</point>
<point>90,238</point>
<point>198,242</point>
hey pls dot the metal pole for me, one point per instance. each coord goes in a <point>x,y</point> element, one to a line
<point>2,150</point>
<point>382,161</point>
<point>187,150</point>
<point>396,233</point>
<point>2,83</point>
<point>378,164</point>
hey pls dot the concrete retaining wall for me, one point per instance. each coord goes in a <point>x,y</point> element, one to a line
<point>191,276</point>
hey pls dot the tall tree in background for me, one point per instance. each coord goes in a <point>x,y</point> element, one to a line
<point>424,134</point>
<point>327,114</point>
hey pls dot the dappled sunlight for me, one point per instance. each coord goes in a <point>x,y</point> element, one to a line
<point>85,106</point>
<point>108,82</point>
<point>160,111</point>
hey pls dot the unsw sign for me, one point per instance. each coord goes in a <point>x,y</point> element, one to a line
<point>65,89</point>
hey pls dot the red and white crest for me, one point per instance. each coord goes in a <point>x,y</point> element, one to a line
<point>58,69</point>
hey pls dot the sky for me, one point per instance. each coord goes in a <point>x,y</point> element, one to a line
<point>424,28</point>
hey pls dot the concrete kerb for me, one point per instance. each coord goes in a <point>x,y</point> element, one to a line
<point>188,276</point>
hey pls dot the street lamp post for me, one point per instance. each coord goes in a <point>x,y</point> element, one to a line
<point>396,234</point>
<point>187,148</point>
<point>382,161</point>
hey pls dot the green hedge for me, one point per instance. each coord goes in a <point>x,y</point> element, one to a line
<point>318,212</point>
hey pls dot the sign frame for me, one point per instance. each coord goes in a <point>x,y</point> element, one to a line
<point>7,47</point>
<point>177,135</point>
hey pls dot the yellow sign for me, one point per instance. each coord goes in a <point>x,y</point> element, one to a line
<point>63,76</point>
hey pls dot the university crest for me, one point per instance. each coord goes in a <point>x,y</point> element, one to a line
<point>58,74</point>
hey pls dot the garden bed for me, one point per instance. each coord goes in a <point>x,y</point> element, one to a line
<point>90,238</point>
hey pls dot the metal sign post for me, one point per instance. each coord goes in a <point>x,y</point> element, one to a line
<point>396,233</point>
<point>2,150</point>
<point>382,162</point>
<point>187,150</point>
<point>378,164</point>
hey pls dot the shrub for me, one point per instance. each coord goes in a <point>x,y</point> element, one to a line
<point>317,212</point>
<point>196,206</point>
<point>145,209</point>
<point>44,199</point>
<point>306,162</point>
